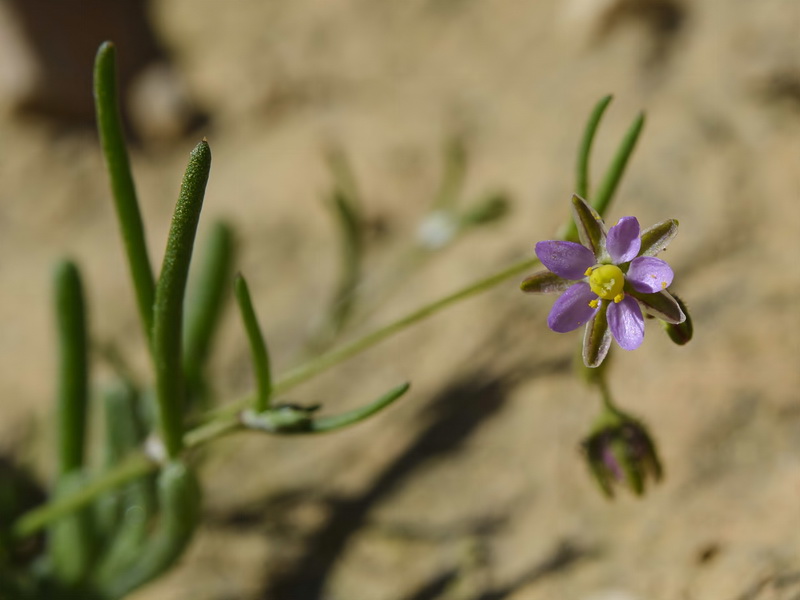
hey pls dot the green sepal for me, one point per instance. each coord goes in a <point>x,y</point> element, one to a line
<point>582,167</point>
<point>661,305</point>
<point>544,282</point>
<point>657,238</point>
<point>259,351</point>
<point>597,337</point>
<point>601,198</point>
<point>591,230</point>
<point>123,190</point>
<point>680,333</point>
<point>591,375</point>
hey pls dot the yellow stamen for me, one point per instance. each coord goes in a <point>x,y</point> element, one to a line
<point>663,285</point>
<point>607,282</point>
<point>588,271</point>
<point>594,303</point>
<point>618,298</point>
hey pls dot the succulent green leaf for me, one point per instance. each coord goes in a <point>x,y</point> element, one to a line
<point>582,175</point>
<point>179,503</point>
<point>112,141</point>
<point>209,288</point>
<point>258,347</point>
<point>602,197</point>
<point>170,290</point>
<point>73,372</point>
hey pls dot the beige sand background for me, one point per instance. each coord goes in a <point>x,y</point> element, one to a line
<point>473,486</point>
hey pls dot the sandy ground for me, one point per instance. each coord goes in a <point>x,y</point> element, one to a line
<point>472,486</point>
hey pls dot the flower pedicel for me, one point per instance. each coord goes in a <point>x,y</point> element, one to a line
<point>607,281</point>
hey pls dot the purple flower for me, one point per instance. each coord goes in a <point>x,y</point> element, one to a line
<point>607,281</point>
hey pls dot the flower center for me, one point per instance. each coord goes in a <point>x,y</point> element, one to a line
<point>607,281</point>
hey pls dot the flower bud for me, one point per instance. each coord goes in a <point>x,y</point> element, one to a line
<point>680,333</point>
<point>620,451</point>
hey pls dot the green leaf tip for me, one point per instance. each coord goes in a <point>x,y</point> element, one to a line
<point>169,299</point>
<point>258,347</point>
<point>73,372</point>
<point>292,419</point>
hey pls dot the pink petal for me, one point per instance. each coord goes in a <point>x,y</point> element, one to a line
<point>626,323</point>
<point>622,242</point>
<point>649,275</point>
<point>572,309</point>
<point>566,259</point>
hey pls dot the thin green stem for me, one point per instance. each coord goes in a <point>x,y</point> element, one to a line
<point>258,347</point>
<point>168,307</point>
<point>112,141</point>
<point>330,359</point>
<point>134,467</point>
<point>73,371</point>
<point>605,396</point>
<point>226,420</point>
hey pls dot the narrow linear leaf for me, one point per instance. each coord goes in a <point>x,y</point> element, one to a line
<point>326,424</point>
<point>170,291</point>
<point>73,371</point>
<point>70,543</point>
<point>205,303</point>
<point>585,149</point>
<point>112,141</point>
<point>258,347</point>
<point>348,220</point>
<point>601,199</point>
